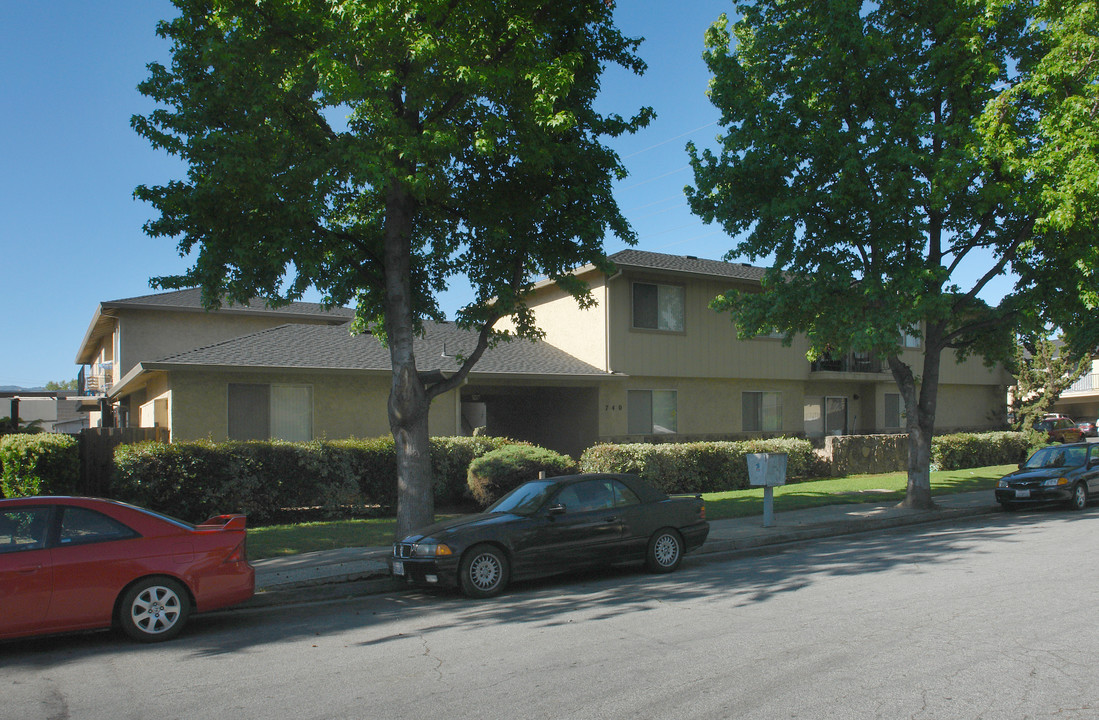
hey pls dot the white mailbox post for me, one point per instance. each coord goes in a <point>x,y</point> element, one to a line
<point>768,470</point>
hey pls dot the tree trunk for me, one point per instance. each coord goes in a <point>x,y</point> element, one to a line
<point>408,402</point>
<point>920,405</point>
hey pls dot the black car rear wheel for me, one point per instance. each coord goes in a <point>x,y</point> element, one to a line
<point>665,551</point>
<point>1079,499</point>
<point>484,571</point>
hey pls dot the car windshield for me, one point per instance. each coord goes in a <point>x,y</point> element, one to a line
<point>1057,457</point>
<point>525,499</point>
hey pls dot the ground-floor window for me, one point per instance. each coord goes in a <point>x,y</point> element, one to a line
<point>893,410</point>
<point>652,411</point>
<point>259,411</point>
<point>761,411</point>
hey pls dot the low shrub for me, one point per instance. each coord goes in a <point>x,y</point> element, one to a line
<point>702,466</point>
<point>450,461</point>
<point>500,471</point>
<point>39,464</point>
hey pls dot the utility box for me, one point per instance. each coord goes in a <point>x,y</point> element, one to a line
<point>767,469</point>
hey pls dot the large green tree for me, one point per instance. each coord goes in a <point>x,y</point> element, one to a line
<point>896,157</point>
<point>380,150</point>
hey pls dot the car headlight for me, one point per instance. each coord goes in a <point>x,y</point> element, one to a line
<point>431,550</point>
<point>1002,483</point>
<point>1052,482</point>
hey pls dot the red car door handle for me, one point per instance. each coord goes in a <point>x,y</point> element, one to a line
<point>29,570</point>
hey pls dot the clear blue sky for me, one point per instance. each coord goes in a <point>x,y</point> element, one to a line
<point>70,230</point>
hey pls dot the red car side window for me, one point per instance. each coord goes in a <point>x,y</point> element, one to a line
<point>23,529</point>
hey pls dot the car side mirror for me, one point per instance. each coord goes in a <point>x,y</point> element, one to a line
<point>1022,465</point>
<point>557,509</point>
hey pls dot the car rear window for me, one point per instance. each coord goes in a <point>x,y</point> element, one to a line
<point>80,526</point>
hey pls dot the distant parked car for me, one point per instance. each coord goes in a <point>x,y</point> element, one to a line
<point>1061,473</point>
<point>550,526</point>
<point>1088,428</point>
<point>70,563</point>
<point>1059,429</point>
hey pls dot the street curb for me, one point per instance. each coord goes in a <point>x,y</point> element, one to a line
<point>334,587</point>
<point>378,581</point>
<point>850,527</point>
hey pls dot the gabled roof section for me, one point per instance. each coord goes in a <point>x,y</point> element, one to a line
<point>190,300</point>
<point>686,264</point>
<point>321,347</point>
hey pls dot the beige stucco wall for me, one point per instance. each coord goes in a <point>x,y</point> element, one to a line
<point>714,407</point>
<point>708,345</point>
<point>344,404</point>
<point>704,407</point>
<point>581,333</point>
<point>147,335</point>
<point>970,407</point>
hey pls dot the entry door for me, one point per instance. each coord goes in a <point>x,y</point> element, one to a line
<point>835,416</point>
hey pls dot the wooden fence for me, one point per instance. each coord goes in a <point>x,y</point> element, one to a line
<point>97,454</point>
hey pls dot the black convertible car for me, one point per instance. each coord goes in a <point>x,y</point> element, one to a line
<point>554,525</point>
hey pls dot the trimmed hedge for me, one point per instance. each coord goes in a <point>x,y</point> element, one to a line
<point>497,473</point>
<point>39,464</point>
<point>966,450</point>
<point>701,466</point>
<point>194,480</point>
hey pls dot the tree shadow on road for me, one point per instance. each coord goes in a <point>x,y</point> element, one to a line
<point>752,577</point>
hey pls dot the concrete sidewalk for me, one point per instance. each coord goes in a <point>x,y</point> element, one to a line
<point>364,570</point>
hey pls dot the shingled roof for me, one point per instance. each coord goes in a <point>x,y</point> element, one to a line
<point>191,299</point>
<point>322,347</point>
<point>688,264</point>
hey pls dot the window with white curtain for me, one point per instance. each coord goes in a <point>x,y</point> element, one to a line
<point>259,411</point>
<point>651,412</point>
<point>761,411</point>
<point>292,413</point>
<point>658,307</point>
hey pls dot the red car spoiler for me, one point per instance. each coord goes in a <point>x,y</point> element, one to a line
<point>223,522</point>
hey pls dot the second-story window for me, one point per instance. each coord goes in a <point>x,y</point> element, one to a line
<point>658,307</point>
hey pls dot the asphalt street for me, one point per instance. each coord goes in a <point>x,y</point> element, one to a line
<point>983,617</point>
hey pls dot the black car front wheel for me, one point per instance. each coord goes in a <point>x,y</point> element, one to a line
<point>484,571</point>
<point>665,551</point>
<point>1079,499</point>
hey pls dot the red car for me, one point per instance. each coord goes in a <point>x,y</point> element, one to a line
<point>1059,429</point>
<point>71,563</point>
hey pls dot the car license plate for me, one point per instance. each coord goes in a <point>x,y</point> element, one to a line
<point>1022,493</point>
<point>398,567</point>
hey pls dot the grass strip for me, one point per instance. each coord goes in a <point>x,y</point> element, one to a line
<point>286,540</point>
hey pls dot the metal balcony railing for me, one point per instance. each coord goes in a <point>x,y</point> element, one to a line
<point>1088,383</point>
<point>851,362</point>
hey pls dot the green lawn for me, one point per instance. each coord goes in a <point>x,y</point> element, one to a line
<point>282,540</point>
<point>852,489</point>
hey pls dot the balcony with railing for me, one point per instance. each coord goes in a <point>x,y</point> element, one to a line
<point>1087,384</point>
<point>93,381</point>
<point>849,363</point>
